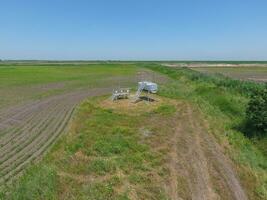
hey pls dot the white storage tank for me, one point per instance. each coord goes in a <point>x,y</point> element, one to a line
<point>148,86</point>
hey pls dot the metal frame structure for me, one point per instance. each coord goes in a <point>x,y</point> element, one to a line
<point>122,93</point>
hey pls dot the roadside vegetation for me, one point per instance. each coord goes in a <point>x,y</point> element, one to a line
<point>256,125</point>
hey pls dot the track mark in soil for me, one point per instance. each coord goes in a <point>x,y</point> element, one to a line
<point>198,168</point>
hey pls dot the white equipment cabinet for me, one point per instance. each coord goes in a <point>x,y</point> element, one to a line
<point>148,86</point>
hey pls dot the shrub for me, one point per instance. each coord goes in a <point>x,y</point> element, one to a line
<point>257,113</point>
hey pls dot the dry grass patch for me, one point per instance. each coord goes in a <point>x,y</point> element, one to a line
<point>127,106</point>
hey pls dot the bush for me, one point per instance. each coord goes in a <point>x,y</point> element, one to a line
<point>257,114</point>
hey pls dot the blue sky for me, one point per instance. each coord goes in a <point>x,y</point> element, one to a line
<point>134,29</point>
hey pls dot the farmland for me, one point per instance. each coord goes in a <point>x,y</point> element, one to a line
<point>184,145</point>
<point>37,103</point>
<point>252,73</point>
<point>241,70</point>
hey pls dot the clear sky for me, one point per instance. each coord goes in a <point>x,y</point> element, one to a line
<point>134,29</point>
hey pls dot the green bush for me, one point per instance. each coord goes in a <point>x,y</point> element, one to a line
<point>257,114</point>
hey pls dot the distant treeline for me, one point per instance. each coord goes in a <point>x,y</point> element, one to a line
<point>130,61</point>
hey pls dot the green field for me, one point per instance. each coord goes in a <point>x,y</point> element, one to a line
<point>188,143</point>
<point>21,83</point>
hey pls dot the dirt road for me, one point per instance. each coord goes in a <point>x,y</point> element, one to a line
<point>199,170</point>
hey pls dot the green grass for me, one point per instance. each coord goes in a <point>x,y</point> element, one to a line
<point>40,182</point>
<point>32,75</point>
<point>166,109</point>
<point>116,150</point>
<point>23,83</point>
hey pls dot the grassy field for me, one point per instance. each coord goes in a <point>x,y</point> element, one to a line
<point>252,73</point>
<point>184,145</point>
<point>102,157</point>
<point>21,83</point>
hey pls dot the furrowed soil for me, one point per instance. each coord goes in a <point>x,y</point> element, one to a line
<point>28,130</point>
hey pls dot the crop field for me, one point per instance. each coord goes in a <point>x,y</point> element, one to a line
<point>37,102</point>
<point>183,145</point>
<point>252,73</point>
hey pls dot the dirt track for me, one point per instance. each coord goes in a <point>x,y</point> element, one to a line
<point>198,165</point>
<point>27,130</point>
